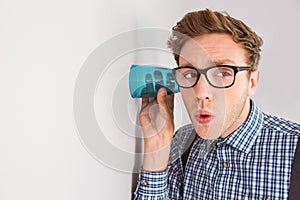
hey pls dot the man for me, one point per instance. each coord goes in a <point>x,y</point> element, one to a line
<point>239,152</point>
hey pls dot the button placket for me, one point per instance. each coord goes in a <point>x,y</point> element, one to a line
<point>145,183</point>
<point>225,164</point>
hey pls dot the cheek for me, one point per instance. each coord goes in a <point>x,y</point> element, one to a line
<point>188,97</point>
<point>236,94</point>
<point>220,102</point>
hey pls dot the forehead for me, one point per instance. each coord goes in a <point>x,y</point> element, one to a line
<point>212,49</point>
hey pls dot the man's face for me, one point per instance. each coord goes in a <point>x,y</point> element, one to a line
<point>217,112</point>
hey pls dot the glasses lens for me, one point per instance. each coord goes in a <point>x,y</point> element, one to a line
<point>220,76</point>
<point>186,77</point>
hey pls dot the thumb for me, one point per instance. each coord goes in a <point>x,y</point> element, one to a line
<point>162,97</point>
<point>162,100</point>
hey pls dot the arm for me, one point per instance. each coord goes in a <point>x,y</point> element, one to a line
<point>152,186</point>
<point>156,120</point>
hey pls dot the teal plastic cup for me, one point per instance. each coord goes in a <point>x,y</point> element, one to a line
<point>146,80</point>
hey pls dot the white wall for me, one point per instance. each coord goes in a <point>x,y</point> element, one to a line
<point>44,45</point>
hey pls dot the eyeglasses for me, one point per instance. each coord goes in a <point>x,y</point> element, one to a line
<point>221,76</point>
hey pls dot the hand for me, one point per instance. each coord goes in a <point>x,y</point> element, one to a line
<point>157,122</point>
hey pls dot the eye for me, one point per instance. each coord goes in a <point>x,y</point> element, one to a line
<point>223,74</point>
<point>189,75</point>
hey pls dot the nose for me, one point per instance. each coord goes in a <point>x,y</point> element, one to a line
<point>202,89</point>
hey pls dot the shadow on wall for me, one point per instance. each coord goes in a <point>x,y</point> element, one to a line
<point>138,158</point>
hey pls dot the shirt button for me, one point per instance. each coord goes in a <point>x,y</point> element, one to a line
<point>225,164</point>
<point>145,183</point>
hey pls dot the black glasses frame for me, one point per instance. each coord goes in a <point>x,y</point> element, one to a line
<point>236,69</point>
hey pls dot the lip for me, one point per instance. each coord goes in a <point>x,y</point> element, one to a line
<point>204,117</point>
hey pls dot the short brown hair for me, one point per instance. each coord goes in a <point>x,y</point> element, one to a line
<point>206,21</point>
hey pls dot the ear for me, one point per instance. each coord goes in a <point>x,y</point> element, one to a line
<point>253,82</point>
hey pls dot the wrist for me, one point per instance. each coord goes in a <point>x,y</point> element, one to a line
<point>158,160</point>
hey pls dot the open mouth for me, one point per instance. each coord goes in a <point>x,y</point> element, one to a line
<point>204,118</point>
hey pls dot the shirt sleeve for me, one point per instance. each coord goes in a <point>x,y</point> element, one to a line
<point>152,186</point>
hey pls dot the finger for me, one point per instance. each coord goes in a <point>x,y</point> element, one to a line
<point>170,102</point>
<point>145,102</point>
<point>144,115</point>
<point>152,99</point>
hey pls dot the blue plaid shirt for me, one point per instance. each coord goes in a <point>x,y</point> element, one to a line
<point>254,162</point>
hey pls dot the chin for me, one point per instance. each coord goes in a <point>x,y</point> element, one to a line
<point>207,131</point>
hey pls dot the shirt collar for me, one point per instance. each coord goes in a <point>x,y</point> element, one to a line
<point>244,137</point>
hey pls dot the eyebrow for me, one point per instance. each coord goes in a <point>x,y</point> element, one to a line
<point>185,65</point>
<point>215,62</point>
<point>223,61</point>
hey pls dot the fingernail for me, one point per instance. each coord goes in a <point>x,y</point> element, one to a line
<point>162,94</point>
